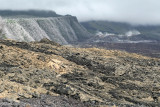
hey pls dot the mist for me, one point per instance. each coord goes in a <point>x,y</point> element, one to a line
<point>143,12</point>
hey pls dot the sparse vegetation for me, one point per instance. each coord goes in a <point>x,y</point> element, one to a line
<point>97,77</point>
<point>10,21</point>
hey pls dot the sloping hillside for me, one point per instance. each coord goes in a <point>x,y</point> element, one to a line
<point>146,32</point>
<point>22,26</point>
<point>90,75</point>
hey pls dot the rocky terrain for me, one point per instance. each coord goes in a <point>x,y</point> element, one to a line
<point>48,74</point>
<point>148,49</point>
<point>140,39</point>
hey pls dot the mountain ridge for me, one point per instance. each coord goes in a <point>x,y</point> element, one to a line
<point>61,29</point>
<point>146,32</point>
<point>35,70</point>
<point>29,13</point>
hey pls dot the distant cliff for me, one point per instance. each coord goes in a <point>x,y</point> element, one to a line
<point>61,29</point>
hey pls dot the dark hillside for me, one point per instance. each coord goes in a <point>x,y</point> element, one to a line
<point>31,13</point>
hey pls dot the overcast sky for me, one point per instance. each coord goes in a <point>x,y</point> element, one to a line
<point>132,11</point>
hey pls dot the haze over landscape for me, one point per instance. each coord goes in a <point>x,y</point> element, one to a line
<point>79,53</point>
<point>132,11</point>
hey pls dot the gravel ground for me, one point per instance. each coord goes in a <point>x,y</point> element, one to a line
<point>43,101</point>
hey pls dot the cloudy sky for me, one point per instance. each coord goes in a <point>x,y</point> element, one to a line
<point>132,11</point>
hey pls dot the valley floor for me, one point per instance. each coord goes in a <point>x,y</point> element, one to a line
<point>151,49</point>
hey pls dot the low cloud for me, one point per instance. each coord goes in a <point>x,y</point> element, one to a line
<point>131,11</point>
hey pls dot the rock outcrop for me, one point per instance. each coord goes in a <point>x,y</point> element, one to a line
<point>96,77</point>
<point>61,29</point>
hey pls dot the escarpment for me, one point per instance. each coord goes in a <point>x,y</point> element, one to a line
<point>44,72</point>
<point>61,29</point>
